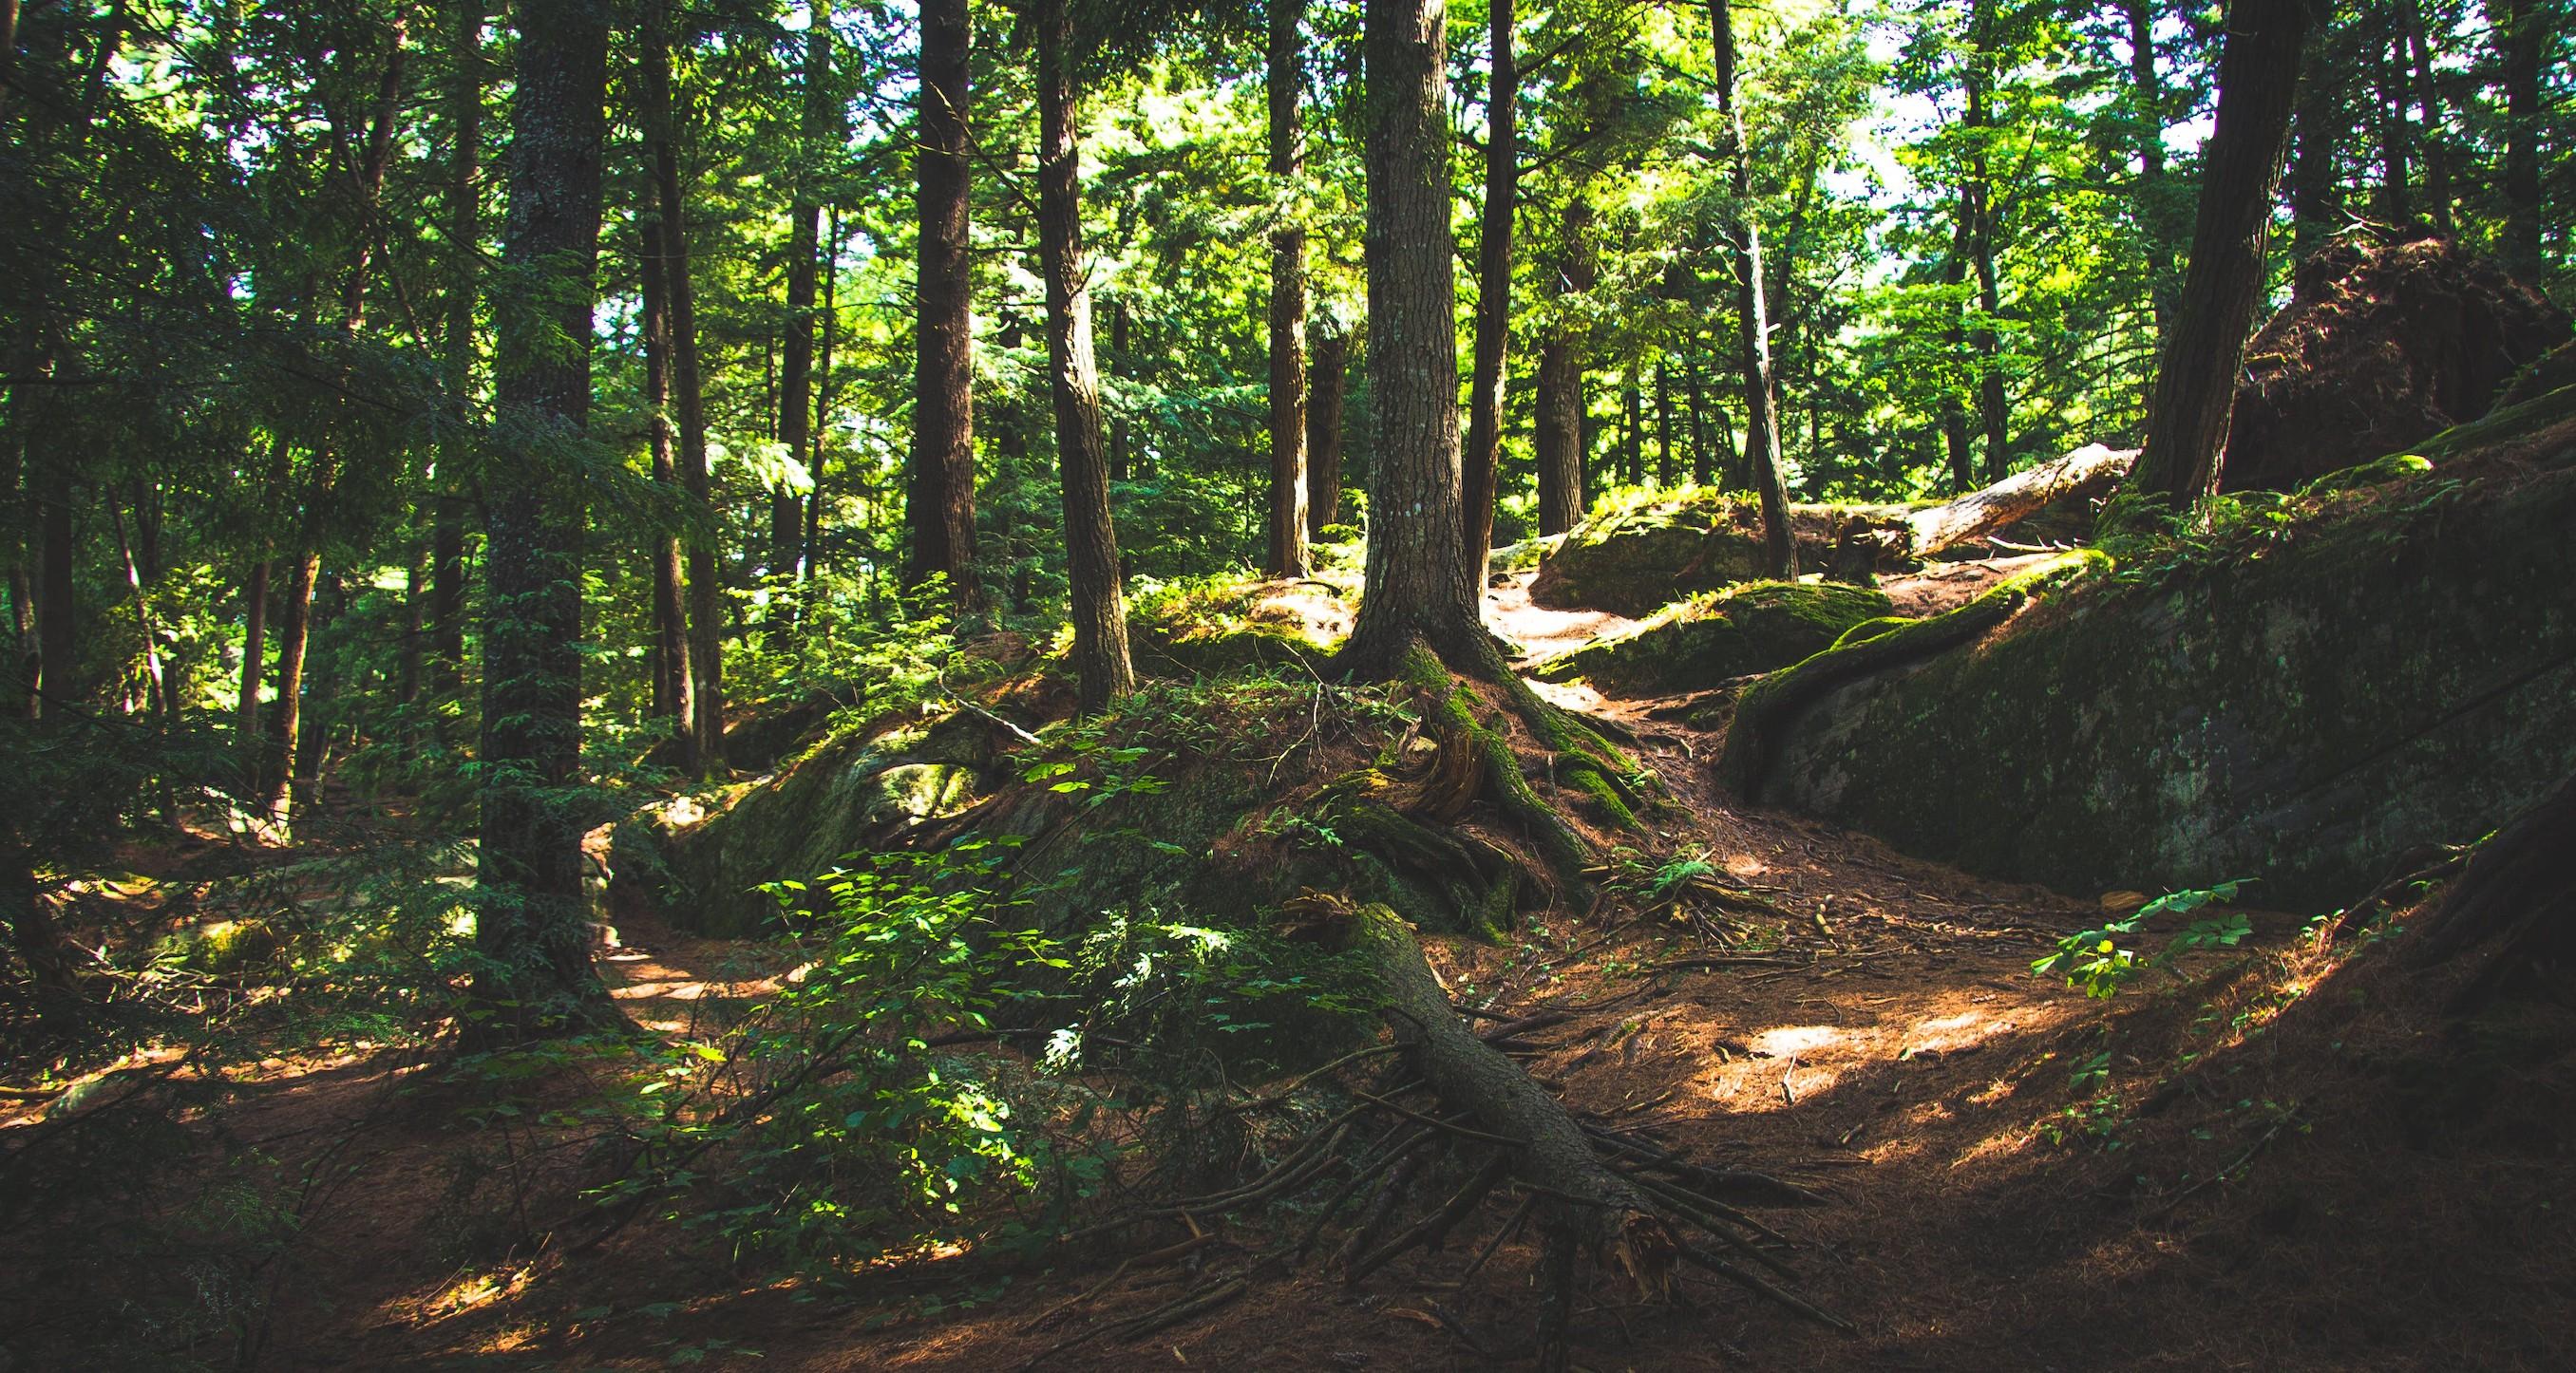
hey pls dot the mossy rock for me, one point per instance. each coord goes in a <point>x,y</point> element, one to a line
<point>222,946</point>
<point>701,858</point>
<point>1639,554</point>
<point>1715,636</point>
<point>1218,626</point>
<point>2397,677</point>
<point>2396,467</point>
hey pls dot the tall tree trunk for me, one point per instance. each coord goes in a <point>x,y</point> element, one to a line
<point>1978,197</point>
<point>674,699</point>
<point>804,230</point>
<point>2522,29</point>
<point>1761,429</point>
<point>1632,430</point>
<point>2258,72</point>
<point>536,976</point>
<point>2396,139</point>
<point>2147,108</point>
<point>1666,474</point>
<point>1330,376</point>
<point>1561,440</point>
<point>2316,195</point>
<point>57,641</point>
<point>1418,586</point>
<point>254,654</point>
<point>823,390</point>
<point>1099,607</point>
<point>1287,301</point>
<point>1482,458</point>
<point>2428,104</point>
<point>1703,454</point>
<point>706,611</point>
<point>448,513</point>
<point>940,498</point>
<point>1122,433</point>
<point>286,722</point>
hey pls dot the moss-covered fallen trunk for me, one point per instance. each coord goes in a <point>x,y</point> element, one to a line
<point>1719,635</point>
<point>2300,711</point>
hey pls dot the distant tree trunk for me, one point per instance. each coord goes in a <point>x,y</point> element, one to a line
<point>536,977</point>
<point>2388,106</point>
<point>679,295</point>
<point>2428,103</point>
<point>1561,441</point>
<point>2316,197</point>
<point>57,639</point>
<point>254,652</point>
<point>1099,607</point>
<point>1632,429</point>
<point>2147,105</point>
<point>1666,474</point>
<point>1418,588</point>
<point>1560,434</point>
<point>2258,72</point>
<point>446,617</point>
<point>286,723</point>
<point>1703,454</point>
<point>940,495</point>
<point>1331,377</point>
<point>1761,431</point>
<point>804,232</point>
<point>1122,438</point>
<point>823,390</point>
<point>1287,303</point>
<point>1993,411</point>
<point>2522,29</point>
<point>1483,456</point>
<point>673,697</point>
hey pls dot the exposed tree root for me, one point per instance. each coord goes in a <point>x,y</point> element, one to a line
<point>2514,905</point>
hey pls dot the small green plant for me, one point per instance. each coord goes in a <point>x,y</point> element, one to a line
<point>2101,961</point>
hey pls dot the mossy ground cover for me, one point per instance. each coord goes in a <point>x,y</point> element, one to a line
<point>1712,637</point>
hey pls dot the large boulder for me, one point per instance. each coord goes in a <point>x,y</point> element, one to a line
<point>2301,712</point>
<point>1719,635</point>
<point>1640,554</point>
<point>2382,346</point>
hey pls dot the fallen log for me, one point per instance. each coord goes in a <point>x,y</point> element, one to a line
<point>2088,471</point>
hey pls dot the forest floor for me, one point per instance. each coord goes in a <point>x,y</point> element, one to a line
<point>2212,1170</point>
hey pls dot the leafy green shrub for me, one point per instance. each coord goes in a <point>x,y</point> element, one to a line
<point>2098,961</point>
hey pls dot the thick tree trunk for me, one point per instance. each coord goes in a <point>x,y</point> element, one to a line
<point>2258,73</point>
<point>1418,585</point>
<point>1287,556</point>
<point>2522,28</point>
<point>1330,378</point>
<point>1099,606</point>
<point>1483,455</point>
<point>706,612</point>
<point>673,697</point>
<point>1761,426</point>
<point>531,929</point>
<point>796,364</point>
<point>940,492</point>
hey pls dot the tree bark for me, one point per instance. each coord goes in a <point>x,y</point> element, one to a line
<point>286,722</point>
<point>1287,301</point>
<point>940,492</point>
<point>1761,426</point>
<point>1978,198</point>
<point>254,653</point>
<point>674,698</point>
<point>1666,474</point>
<point>446,618</point>
<point>2088,471</point>
<point>2147,106</point>
<point>2428,103</point>
<point>1632,431</point>
<point>1418,586</point>
<point>706,613</point>
<point>2316,199</point>
<point>2396,141</point>
<point>814,466</point>
<point>1330,378</point>
<point>1703,453</point>
<point>1561,440</point>
<point>2258,72</point>
<point>1099,607</point>
<point>1483,455</point>
<point>804,231</point>
<point>536,977</point>
<point>2522,29</point>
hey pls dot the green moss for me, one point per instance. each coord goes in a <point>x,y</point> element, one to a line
<point>2377,472</point>
<point>2402,676</point>
<point>1715,636</point>
<point>1642,552</point>
<point>222,946</point>
<point>2503,426</point>
<point>1867,630</point>
<point>1211,627</point>
<point>1752,739</point>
